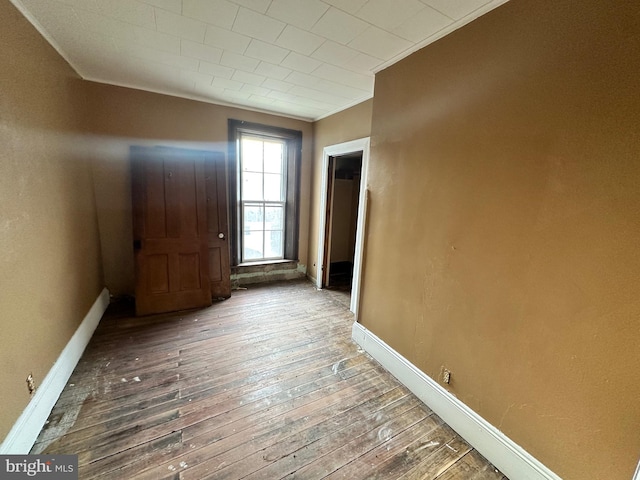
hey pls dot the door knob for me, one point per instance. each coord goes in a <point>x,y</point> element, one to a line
<point>221,235</point>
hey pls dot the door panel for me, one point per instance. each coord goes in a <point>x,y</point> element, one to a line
<point>218,227</point>
<point>170,230</point>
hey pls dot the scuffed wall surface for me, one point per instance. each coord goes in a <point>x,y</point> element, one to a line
<point>504,224</point>
<point>50,271</point>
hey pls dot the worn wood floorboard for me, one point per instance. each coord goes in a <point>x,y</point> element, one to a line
<point>265,385</point>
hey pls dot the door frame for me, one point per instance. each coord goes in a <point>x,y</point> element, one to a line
<point>353,146</point>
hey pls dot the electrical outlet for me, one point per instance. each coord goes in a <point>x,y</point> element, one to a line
<point>31,384</point>
<point>446,376</point>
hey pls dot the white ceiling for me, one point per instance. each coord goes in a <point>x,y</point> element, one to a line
<point>299,58</point>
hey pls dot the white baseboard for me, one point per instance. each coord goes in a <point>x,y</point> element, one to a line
<point>511,459</point>
<point>636,476</point>
<point>27,428</point>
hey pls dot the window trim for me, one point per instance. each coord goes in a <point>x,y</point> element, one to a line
<point>292,197</point>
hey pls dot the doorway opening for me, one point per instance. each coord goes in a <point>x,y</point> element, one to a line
<point>343,213</point>
<point>342,216</point>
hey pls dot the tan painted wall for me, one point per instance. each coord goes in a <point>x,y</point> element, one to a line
<point>49,248</point>
<point>342,220</point>
<point>504,225</point>
<point>122,117</point>
<point>350,124</point>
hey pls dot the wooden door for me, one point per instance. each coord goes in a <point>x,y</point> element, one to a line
<point>217,225</point>
<point>170,230</point>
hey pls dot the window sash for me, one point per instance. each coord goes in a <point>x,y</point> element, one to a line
<point>262,237</point>
<point>260,240</point>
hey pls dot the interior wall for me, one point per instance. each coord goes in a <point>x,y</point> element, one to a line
<point>122,117</point>
<point>341,220</point>
<point>50,272</point>
<point>504,224</point>
<point>350,124</point>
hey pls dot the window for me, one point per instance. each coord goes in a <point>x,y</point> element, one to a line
<point>264,190</point>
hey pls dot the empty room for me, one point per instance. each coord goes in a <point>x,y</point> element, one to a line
<point>320,239</point>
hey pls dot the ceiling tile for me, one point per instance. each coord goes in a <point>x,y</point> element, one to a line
<point>422,25</point>
<point>215,69</point>
<point>180,26</point>
<point>166,58</point>
<point>317,95</point>
<point>174,6</point>
<point>128,11</point>
<point>388,14</point>
<point>342,90</point>
<point>200,51</point>
<point>349,6</point>
<point>265,51</point>
<point>226,83</point>
<point>376,42</point>
<point>345,77</point>
<point>334,53</point>
<point>233,60</point>
<point>236,95</point>
<point>277,85</point>
<point>283,96</point>
<point>290,11</point>
<point>300,63</point>
<point>196,77</point>
<point>456,9</point>
<point>261,100</point>
<point>208,91</point>
<point>99,24</point>
<point>257,25</point>
<point>140,66</point>
<point>339,26</point>
<point>299,41</point>
<point>257,5</point>
<point>226,39</point>
<point>246,77</point>
<point>51,5</point>
<point>159,40</point>
<point>255,90</point>
<point>272,71</point>
<point>302,79</point>
<point>364,63</point>
<point>216,12</point>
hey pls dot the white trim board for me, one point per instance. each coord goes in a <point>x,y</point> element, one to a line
<point>359,145</point>
<point>511,459</point>
<point>27,428</point>
<point>636,476</point>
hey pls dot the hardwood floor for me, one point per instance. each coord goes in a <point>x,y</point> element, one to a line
<point>264,385</point>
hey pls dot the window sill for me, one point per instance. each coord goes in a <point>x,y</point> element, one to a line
<point>275,270</point>
<point>264,262</point>
<point>265,266</point>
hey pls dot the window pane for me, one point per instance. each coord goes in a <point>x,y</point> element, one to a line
<point>273,244</point>
<point>251,155</point>
<point>253,217</point>
<point>273,217</point>
<point>273,187</point>
<point>252,186</point>
<point>252,245</point>
<point>273,157</point>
